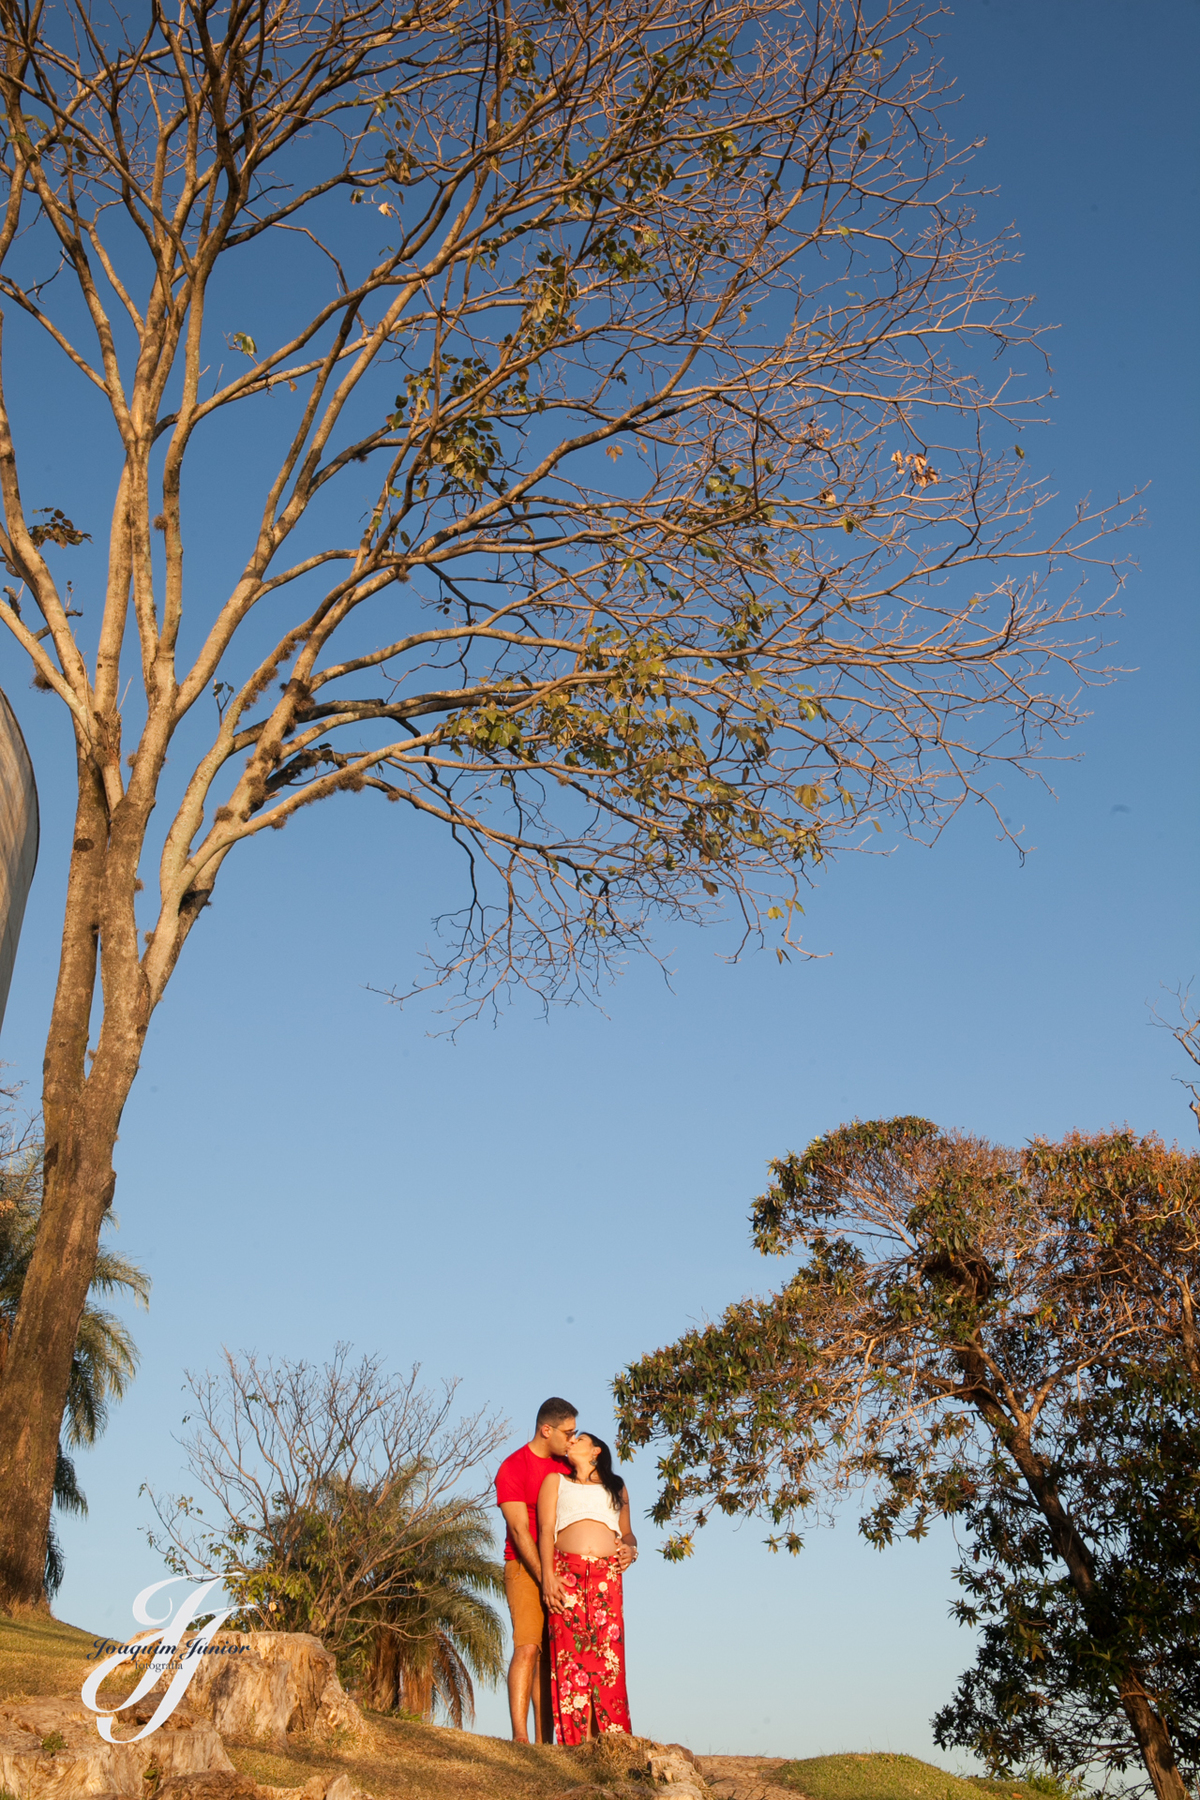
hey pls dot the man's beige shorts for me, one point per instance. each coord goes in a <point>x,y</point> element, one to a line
<point>524,1598</point>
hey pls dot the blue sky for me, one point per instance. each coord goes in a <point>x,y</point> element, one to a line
<point>532,1207</point>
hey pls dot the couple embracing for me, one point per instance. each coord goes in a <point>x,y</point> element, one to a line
<point>566,1548</point>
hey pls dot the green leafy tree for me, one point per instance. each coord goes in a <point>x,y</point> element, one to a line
<point>104,1359</point>
<point>1042,1689</point>
<point>985,1334</point>
<point>725,245</point>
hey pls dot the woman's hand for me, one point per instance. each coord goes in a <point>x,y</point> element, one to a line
<point>553,1592</point>
<point>626,1542</point>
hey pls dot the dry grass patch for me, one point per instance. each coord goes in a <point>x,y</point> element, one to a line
<point>41,1655</point>
<point>432,1762</point>
<point>44,1656</point>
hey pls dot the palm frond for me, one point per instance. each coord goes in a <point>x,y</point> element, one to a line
<point>113,1272</point>
<point>56,1566</point>
<point>104,1363</point>
<point>68,1495</point>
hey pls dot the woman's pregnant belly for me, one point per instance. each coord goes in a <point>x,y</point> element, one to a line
<point>587,1537</point>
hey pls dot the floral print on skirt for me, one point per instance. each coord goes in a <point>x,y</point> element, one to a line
<point>587,1648</point>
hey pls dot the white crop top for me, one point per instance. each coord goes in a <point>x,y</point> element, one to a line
<point>585,1500</point>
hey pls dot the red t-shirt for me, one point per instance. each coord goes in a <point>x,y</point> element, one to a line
<point>520,1477</point>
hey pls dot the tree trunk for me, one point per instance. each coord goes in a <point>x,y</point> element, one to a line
<point>416,1694</point>
<point>37,1371</point>
<point>1153,1738</point>
<point>384,1679</point>
<point>82,1114</point>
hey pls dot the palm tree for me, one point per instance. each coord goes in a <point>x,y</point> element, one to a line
<point>105,1358</point>
<point>395,1585</point>
<point>437,1631</point>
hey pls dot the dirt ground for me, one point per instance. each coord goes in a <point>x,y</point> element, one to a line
<point>744,1777</point>
<point>401,1761</point>
<point>430,1762</point>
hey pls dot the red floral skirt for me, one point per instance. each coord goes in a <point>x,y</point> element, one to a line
<point>587,1648</point>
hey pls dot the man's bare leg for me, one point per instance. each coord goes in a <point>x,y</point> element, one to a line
<point>524,1686</point>
<point>543,1703</point>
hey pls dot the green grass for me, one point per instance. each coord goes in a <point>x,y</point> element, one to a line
<point>44,1656</point>
<point>41,1655</point>
<point>881,1775</point>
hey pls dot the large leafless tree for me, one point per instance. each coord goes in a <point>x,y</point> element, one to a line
<point>336,1499</point>
<point>639,513</point>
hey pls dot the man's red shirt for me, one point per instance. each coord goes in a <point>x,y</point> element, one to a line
<point>520,1477</point>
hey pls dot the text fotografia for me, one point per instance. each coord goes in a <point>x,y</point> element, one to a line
<point>167,1659</point>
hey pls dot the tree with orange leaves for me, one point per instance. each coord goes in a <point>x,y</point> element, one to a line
<point>1002,1337</point>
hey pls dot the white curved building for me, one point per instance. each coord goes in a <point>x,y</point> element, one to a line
<point>18,839</point>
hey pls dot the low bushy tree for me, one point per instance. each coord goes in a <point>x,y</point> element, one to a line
<point>1003,1337</point>
<point>340,1501</point>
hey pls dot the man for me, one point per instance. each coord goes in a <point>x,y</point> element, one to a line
<point>518,1483</point>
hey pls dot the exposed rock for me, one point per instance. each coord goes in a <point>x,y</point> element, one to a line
<point>51,1749</point>
<point>341,1788</point>
<point>261,1685</point>
<point>322,1787</point>
<point>675,1766</point>
<point>241,1787</point>
<point>213,1786</point>
<point>618,1765</point>
<point>744,1777</point>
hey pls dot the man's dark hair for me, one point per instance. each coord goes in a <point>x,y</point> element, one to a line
<point>555,1411</point>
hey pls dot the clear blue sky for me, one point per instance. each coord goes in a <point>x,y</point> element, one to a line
<point>536,1205</point>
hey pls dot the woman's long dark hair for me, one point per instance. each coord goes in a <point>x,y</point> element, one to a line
<point>604,1468</point>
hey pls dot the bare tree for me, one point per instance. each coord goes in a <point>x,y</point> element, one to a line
<point>1186,1032</point>
<point>723,244</point>
<point>334,1488</point>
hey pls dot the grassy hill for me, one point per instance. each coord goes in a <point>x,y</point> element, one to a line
<point>881,1775</point>
<point>40,1655</point>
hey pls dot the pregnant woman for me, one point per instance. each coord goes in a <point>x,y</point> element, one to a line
<point>583,1529</point>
